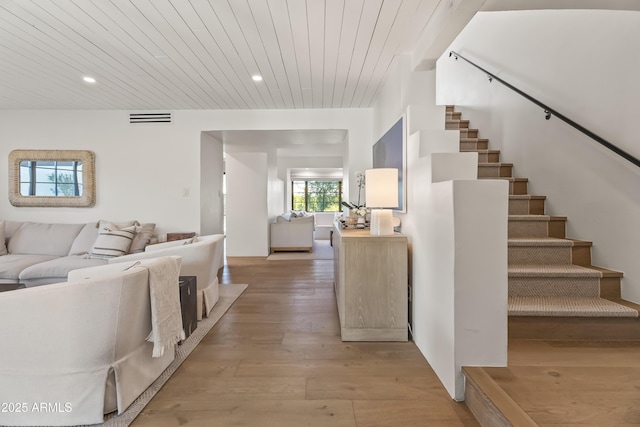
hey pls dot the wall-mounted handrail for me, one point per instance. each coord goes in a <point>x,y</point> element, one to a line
<point>551,112</point>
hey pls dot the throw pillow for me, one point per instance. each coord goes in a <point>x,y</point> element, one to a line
<point>3,243</point>
<point>144,232</point>
<point>112,241</point>
<point>285,217</point>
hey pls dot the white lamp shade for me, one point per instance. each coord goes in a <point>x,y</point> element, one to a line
<point>381,190</point>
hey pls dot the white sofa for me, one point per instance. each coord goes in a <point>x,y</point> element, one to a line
<point>78,347</point>
<point>202,256</point>
<point>323,225</point>
<point>34,253</point>
<point>292,233</point>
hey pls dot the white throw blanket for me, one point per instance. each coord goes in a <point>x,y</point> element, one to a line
<point>166,315</point>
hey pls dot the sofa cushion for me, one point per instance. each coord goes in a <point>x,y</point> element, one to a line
<point>3,246</point>
<point>10,227</point>
<point>43,239</point>
<point>57,269</point>
<point>144,232</point>
<point>112,241</point>
<point>307,218</point>
<point>285,217</point>
<point>85,239</point>
<point>12,265</point>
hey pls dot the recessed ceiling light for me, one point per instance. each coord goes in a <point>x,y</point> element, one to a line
<point>257,78</point>
<point>89,79</point>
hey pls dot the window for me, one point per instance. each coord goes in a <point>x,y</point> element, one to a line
<point>51,178</point>
<point>316,196</point>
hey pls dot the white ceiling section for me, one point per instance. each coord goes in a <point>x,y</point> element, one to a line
<point>201,54</point>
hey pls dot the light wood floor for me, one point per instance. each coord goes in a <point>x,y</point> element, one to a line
<point>574,383</point>
<point>276,359</point>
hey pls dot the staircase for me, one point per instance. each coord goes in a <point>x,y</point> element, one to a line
<point>554,291</point>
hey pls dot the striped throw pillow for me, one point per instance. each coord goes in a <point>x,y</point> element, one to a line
<point>112,241</point>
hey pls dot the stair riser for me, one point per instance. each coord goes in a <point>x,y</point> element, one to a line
<point>610,288</point>
<point>488,157</point>
<point>539,255</point>
<point>555,228</point>
<point>554,286</point>
<point>574,328</point>
<point>473,145</point>
<point>456,124</point>
<point>494,171</point>
<point>581,255</point>
<point>526,207</point>
<point>518,188</point>
<point>468,133</point>
<point>453,115</point>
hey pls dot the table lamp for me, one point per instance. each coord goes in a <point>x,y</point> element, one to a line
<point>381,192</point>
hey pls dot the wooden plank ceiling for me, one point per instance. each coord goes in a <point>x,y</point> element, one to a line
<point>201,54</point>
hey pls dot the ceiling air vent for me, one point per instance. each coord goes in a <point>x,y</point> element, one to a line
<point>135,118</point>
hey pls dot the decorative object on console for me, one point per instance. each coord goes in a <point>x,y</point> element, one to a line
<point>382,192</point>
<point>360,180</point>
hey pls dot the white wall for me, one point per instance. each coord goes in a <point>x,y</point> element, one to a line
<point>588,73</point>
<point>143,170</point>
<point>276,190</point>
<point>211,196</point>
<point>247,204</point>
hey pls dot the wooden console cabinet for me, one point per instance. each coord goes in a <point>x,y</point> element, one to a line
<point>371,282</point>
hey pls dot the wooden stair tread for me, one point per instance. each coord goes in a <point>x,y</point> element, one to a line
<point>526,197</point>
<point>551,270</point>
<point>509,178</point>
<point>494,164</point>
<point>494,405</point>
<point>537,218</point>
<point>606,272</point>
<point>465,150</point>
<point>577,242</point>
<point>474,140</point>
<point>626,303</point>
<point>539,241</point>
<point>568,307</point>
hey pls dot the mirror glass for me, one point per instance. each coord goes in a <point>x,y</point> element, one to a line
<point>52,178</point>
<point>57,178</point>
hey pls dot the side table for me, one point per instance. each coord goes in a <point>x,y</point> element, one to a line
<point>11,286</point>
<point>179,236</point>
<point>188,303</point>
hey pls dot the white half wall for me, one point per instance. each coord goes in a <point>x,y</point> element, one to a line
<point>584,65</point>
<point>458,232</point>
<point>247,204</point>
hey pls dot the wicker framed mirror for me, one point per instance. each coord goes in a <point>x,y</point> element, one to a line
<point>52,178</point>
